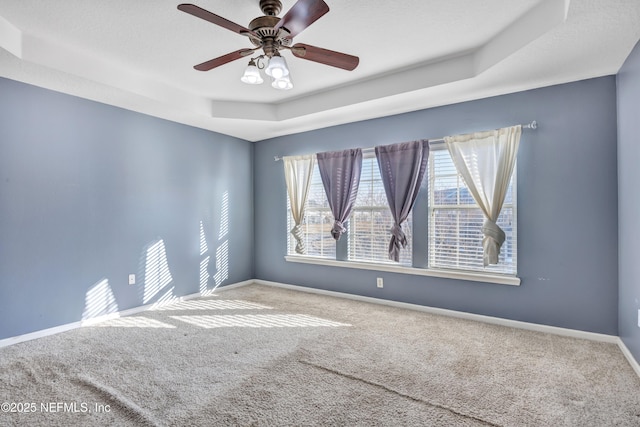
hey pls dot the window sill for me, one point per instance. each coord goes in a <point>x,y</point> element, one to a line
<point>392,268</point>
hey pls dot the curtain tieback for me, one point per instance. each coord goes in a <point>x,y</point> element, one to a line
<point>492,242</point>
<point>490,229</point>
<point>398,240</point>
<point>297,233</point>
<point>338,229</point>
<point>398,233</point>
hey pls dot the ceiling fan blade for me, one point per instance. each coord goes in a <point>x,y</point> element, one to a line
<point>215,19</point>
<point>221,60</point>
<point>301,15</point>
<point>325,56</point>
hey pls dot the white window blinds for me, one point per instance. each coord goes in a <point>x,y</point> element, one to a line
<point>455,221</point>
<point>371,220</point>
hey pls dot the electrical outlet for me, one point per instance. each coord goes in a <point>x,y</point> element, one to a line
<point>132,279</point>
<point>379,282</point>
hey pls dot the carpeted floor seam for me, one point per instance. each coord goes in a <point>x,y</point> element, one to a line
<point>386,388</point>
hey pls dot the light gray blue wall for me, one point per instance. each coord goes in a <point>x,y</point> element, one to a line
<point>567,207</point>
<point>629,201</point>
<point>85,188</point>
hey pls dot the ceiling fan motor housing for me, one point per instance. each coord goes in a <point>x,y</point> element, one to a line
<point>270,39</point>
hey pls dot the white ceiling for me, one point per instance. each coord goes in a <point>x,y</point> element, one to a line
<point>414,54</point>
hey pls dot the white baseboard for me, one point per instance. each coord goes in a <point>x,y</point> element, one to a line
<point>632,361</point>
<point>39,334</point>
<point>452,313</point>
<point>135,310</point>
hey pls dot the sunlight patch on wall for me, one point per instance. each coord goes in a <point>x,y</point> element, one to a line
<point>258,321</point>
<point>222,252</point>
<point>204,263</point>
<point>222,263</point>
<point>204,248</point>
<point>204,274</point>
<point>168,298</point>
<point>135,322</point>
<point>156,271</point>
<point>215,305</point>
<point>224,216</point>
<point>99,301</point>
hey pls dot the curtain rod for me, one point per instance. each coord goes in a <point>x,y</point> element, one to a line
<point>532,125</point>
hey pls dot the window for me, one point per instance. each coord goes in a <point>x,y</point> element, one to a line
<point>452,244</point>
<point>371,219</point>
<point>317,223</point>
<point>455,221</point>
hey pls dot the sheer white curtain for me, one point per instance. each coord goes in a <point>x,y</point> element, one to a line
<point>485,160</point>
<point>297,173</point>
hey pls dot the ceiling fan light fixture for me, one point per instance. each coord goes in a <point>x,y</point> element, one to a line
<point>251,74</point>
<point>283,83</point>
<point>277,67</point>
<point>270,34</point>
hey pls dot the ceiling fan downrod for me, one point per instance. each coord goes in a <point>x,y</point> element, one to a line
<point>271,7</point>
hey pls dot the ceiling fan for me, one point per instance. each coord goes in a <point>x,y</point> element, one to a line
<point>273,34</point>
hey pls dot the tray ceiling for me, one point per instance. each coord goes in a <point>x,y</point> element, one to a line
<point>413,54</point>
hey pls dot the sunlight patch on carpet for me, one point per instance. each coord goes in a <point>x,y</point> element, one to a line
<point>214,305</point>
<point>135,322</point>
<point>258,321</point>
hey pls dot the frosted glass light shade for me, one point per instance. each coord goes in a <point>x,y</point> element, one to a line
<point>277,67</point>
<point>283,83</point>
<point>251,75</point>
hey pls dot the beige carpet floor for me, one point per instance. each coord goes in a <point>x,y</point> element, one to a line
<point>264,356</point>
